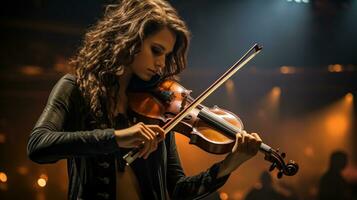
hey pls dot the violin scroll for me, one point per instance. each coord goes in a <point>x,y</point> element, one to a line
<point>277,160</point>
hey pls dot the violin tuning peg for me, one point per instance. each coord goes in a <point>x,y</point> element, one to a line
<point>272,166</point>
<point>215,107</point>
<point>283,155</point>
<point>280,174</point>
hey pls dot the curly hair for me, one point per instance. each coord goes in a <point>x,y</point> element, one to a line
<point>113,41</point>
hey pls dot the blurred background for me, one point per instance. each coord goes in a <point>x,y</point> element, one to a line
<point>299,94</point>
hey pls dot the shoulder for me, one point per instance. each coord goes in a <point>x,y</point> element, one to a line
<point>65,88</point>
<point>68,83</point>
<point>68,79</point>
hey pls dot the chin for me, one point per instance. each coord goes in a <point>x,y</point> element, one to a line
<point>145,77</point>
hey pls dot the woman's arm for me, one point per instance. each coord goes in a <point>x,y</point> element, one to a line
<point>49,141</point>
<point>246,146</point>
<point>184,187</point>
<point>56,135</point>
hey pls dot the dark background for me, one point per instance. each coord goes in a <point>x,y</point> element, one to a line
<point>39,36</point>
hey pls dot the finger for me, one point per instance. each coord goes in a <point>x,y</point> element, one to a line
<point>145,136</point>
<point>160,132</point>
<point>149,142</point>
<point>258,140</point>
<point>156,136</point>
<point>237,142</point>
<point>244,144</point>
<point>256,136</point>
<point>252,145</point>
<point>142,147</point>
<point>153,141</point>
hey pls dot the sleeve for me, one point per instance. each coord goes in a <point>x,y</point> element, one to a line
<point>49,142</point>
<point>189,187</point>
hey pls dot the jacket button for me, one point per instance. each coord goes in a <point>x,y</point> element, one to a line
<point>104,195</point>
<point>104,180</point>
<point>104,164</point>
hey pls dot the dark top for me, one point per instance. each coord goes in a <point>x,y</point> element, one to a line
<point>67,130</point>
<point>333,187</point>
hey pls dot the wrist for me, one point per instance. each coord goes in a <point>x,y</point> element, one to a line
<point>228,165</point>
<point>118,134</point>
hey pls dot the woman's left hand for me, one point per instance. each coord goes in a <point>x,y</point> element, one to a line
<point>246,147</point>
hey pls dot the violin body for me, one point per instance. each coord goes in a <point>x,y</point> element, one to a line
<point>162,104</point>
<point>211,129</point>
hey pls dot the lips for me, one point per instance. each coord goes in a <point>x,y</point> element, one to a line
<point>152,71</point>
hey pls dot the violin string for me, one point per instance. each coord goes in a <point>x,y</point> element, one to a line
<point>214,118</point>
<point>230,72</point>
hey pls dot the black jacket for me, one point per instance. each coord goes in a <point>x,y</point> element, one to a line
<point>66,130</point>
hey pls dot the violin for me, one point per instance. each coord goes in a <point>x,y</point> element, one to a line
<point>214,130</point>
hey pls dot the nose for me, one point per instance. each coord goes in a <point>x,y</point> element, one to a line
<point>160,62</point>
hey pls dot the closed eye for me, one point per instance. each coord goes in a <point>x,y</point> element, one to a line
<point>157,51</point>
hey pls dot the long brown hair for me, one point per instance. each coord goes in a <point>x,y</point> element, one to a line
<point>113,41</point>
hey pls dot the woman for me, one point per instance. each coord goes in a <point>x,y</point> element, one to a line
<point>137,44</point>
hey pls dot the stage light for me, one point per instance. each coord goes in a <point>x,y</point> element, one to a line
<point>2,138</point>
<point>31,70</point>
<point>349,97</point>
<point>223,195</point>
<point>229,86</point>
<point>276,91</point>
<point>309,151</point>
<point>269,105</point>
<point>299,1</point>
<point>274,97</point>
<point>337,125</point>
<point>3,177</point>
<point>42,181</point>
<point>287,69</point>
<point>335,68</point>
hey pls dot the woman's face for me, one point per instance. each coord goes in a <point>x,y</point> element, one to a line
<point>153,53</point>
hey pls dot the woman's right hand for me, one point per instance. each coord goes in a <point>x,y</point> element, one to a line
<point>140,133</point>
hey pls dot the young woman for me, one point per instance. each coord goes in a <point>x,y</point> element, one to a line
<point>138,43</point>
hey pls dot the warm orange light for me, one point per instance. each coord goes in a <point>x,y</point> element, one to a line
<point>223,196</point>
<point>238,195</point>
<point>229,86</point>
<point>22,170</point>
<point>309,151</point>
<point>287,70</point>
<point>349,97</point>
<point>274,97</point>
<point>31,70</point>
<point>2,138</point>
<point>337,125</point>
<point>41,182</point>
<point>313,191</point>
<point>276,91</point>
<point>3,177</point>
<point>335,68</point>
